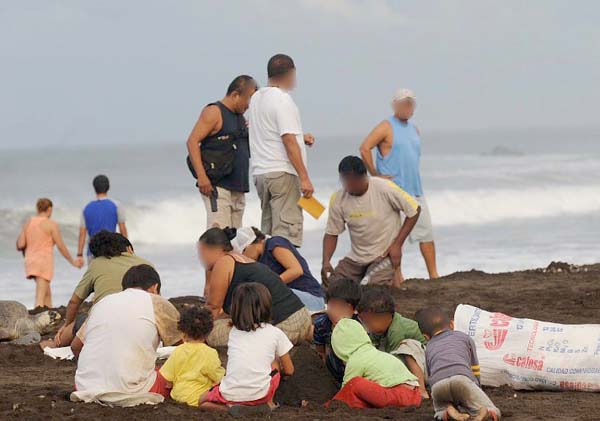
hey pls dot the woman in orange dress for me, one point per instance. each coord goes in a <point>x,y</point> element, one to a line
<point>36,241</point>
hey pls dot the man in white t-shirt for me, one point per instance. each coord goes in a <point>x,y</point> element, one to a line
<point>117,343</point>
<point>278,153</point>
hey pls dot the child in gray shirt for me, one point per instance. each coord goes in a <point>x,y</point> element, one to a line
<point>453,369</point>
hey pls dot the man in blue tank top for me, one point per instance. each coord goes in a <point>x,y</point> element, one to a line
<point>100,214</point>
<point>398,144</point>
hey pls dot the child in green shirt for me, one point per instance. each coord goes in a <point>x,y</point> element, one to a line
<point>392,333</point>
<point>373,379</point>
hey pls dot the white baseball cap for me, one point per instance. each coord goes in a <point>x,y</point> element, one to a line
<point>243,238</point>
<point>402,94</point>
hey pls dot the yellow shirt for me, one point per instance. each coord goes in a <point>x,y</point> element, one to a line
<point>193,368</point>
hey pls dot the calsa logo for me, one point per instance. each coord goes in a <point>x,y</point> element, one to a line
<point>524,362</point>
<point>498,336</point>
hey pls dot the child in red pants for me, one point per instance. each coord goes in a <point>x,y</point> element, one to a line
<point>372,379</point>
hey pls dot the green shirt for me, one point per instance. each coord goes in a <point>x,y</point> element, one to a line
<point>104,276</point>
<point>400,329</point>
<point>352,345</point>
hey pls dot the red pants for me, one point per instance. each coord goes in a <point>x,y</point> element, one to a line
<point>214,395</point>
<point>362,393</point>
<point>161,386</point>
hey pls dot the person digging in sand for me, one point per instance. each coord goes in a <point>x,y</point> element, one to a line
<point>453,369</point>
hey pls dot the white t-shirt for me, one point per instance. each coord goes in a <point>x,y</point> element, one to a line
<point>249,359</point>
<point>120,338</point>
<point>272,114</point>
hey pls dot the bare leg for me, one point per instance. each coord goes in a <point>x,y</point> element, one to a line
<point>41,291</point>
<point>428,252</point>
<point>48,299</point>
<point>455,414</point>
<point>414,368</point>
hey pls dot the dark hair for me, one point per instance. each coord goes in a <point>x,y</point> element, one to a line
<point>196,322</point>
<point>218,237</point>
<point>259,235</point>
<point>352,165</point>
<point>43,204</point>
<point>250,306</point>
<point>107,244</point>
<point>432,319</point>
<point>124,242</point>
<point>376,300</point>
<point>101,184</point>
<point>240,84</point>
<point>141,276</point>
<point>344,289</point>
<point>279,65</point>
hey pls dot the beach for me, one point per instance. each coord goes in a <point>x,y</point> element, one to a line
<point>35,386</point>
<point>492,209</point>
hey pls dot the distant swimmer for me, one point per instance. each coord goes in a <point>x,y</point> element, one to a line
<point>398,143</point>
<point>371,209</point>
<point>37,239</point>
<point>278,144</point>
<point>219,154</point>
<point>99,215</point>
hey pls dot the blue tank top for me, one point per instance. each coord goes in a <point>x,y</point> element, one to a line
<point>403,161</point>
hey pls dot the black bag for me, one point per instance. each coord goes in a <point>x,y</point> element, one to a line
<point>218,156</point>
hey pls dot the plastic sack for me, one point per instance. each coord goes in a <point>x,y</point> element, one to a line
<point>530,354</point>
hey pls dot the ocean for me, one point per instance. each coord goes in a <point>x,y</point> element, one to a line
<point>501,200</point>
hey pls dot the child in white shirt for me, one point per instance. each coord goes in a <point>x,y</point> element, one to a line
<point>257,352</point>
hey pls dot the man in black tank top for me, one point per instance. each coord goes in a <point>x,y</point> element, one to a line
<point>222,175</point>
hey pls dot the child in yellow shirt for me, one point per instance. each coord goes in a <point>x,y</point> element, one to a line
<point>193,367</point>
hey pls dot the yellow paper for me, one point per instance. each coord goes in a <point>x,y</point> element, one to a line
<point>312,206</point>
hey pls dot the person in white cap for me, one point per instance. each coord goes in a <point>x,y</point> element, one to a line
<point>398,156</point>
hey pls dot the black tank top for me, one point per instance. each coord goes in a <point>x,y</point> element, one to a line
<point>234,123</point>
<point>285,302</point>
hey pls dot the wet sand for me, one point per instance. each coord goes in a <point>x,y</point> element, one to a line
<point>35,387</point>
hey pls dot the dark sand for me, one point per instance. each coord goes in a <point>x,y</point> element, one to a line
<point>34,386</point>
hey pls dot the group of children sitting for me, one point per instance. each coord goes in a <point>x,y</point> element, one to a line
<point>379,358</point>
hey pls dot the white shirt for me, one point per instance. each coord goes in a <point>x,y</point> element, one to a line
<point>249,359</point>
<point>272,114</point>
<point>120,339</point>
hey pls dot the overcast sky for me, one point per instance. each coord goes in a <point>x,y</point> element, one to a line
<point>83,72</point>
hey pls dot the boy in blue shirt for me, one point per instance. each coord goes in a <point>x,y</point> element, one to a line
<point>100,214</point>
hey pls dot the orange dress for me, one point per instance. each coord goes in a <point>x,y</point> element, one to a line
<point>39,251</point>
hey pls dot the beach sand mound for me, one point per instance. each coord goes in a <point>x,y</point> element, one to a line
<point>35,387</point>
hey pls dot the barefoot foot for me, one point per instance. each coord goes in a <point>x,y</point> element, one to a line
<point>454,414</point>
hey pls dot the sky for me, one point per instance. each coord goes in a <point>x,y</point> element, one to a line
<point>90,72</point>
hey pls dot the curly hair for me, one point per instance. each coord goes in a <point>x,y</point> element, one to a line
<point>106,244</point>
<point>376,300</point>
<point>196,322</point>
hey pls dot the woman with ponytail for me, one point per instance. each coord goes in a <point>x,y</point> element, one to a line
<point>230,270</point>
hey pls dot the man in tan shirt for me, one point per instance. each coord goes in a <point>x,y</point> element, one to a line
<point>372,210</point>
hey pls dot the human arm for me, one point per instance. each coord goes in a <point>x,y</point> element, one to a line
<point>123,229</point>
<point>295,156</point>
<point>284,346</point>
<point>21,240</point>
<point>293,269</point>
<point>62,248</point>
<point>220,278</point>
<point>329,246</point>
<point>81,241</point>
<point>76,346</point>
<point>213,368</point>
<point>207,123</point>
<point>121,221</point>
<point>71,313</point>
<point>373,139</point>
<point>286,366</point>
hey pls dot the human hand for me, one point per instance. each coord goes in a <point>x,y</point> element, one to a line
<point>309,139</point>
<point>394,252</point>
<point>57,338</point>
<point>306,187</point>
<point>398,279</point>
<point>78,262</point>
<point>204,185</point>
<point>326,272</point>
<point>384,176</point>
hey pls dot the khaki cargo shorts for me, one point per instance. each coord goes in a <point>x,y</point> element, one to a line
<point>279,193</point>
<point>230,209</point>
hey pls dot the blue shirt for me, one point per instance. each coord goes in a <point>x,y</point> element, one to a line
<point>403,161</point>
<point>305,282</point>
<point>101,214</point>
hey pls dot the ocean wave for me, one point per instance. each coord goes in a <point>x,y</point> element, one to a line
<point>181,220</point>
